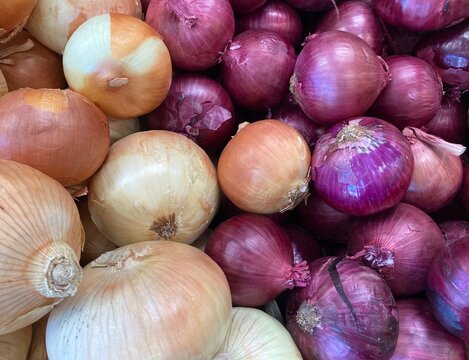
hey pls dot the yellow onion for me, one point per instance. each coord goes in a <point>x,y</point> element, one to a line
<point>53,21</point>
<point>15,345</point>
<point>41,237</point>
<point>265,167</point>
<point>37,350</point>
<point>255,335</point>
<point>59,132</point>
<point>13,16</point>
<point>126,70</point>
<point>152,300</point>
<point>154,185</point>
<point>25,62</point>
<point>122,128</point>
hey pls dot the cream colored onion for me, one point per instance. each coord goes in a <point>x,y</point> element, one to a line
<point>122,128</point>
<point>37,350</point>
<point>15,345</point>
<point>255,335</point>
<point>154,185</point>
<point>119,62</point>
<point>152,300</point>
<point>41,237</point>
<point>53,21</point>
<point>13,16</point>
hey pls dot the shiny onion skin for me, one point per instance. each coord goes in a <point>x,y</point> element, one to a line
<point>305,247</point>
<point>421,337</point>
<point>362,166</point>
<point>325,327</point>
<point>13,17</point>
<point>245,6</point>
<point>448,288</point>
<point>356,17</point>
<point>400,244</point>
<point>58,132</point>
<point>195,31</point>
<point>313,5</point>
<point>265,167</point>
<point>337,76</point>
<point>438,170</point>
<point>255,68</point>
<point>197,107</point>
<point>454,230</point>
<point>257,258</point>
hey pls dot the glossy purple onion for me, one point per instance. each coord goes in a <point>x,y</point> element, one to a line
<point>195,31</point>
<point>199,108</point>
<point>358,18</point>
<point>454,230</point>
<point>337,76</point>
<point>362,166</point>
<point>245,6</point>
<point>448,288</point>
<point>257,258</point>
<point>313,5</point>
<point>305,247</point>
<point>346,312</point>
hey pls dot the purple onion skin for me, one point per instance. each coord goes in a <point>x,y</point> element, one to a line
<point>194,31</point>
<point>245,6</point>
<point>448,288</point>
<point>322,325</point>
<point>362,166</point>
<point>454,230</point>
<point>312,5</point>
<point>417,15</point>
<point>305,247</point>
<point>421,337</point>
<point>199,108</point>
<point>446,51</point>
<point>274,16</point>
<point>337,76</point>
<point>358,18</point>
<point>400,41</point>
<point>400,244</point>
<point>256,67</point>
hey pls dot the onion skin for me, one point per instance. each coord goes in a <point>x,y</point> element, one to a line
<point>15,345</point>
<point>454,230</point>
<point>312,5</point>
<point>362,166</point>
<point>119,129</point>
<point>305,247</point>
<point>37,350</point>
<point>13,16</point>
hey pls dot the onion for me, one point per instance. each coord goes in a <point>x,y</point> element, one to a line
<point>438,170</point>
<point>447,288</point>
<point>3,84</point>
<point>421,337</point>
<point>199,108</point>
<point>255,68</point>
<point>40,243</point>
<point>169,301</point>
<point>126,70</point>
<point>362,166</point>
<point>400,244</point>
<point>27,63</point>
<point>446,51</point>
<point>37,350</point>
<point>454,230</point>
<point>346,312</point>
<point>121,128</point>
<point>305,247</point>
<point>13,17</point>
<point>245,6</point>
<point>154,185</point>
<point>257,258</point>
<point>276,16</point>
<point>328,95</point>
<point>313,5</point>
<point>58,132</point>
<point>15,345</point>
<point>264,168</point>
<point>358,18</point>
<point>53,21</point>
<point>195,31</point>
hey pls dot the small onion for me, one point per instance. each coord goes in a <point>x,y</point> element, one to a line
<point>15,345</point>
<point>305,247</point>
<point>454,230</point>
<point>245,6</point>
<point>362,166</point>
<point>121,128</point>
<point>13,17</point>
<point>126,70</point>
<point>313,5</point>
<point>265,167</point>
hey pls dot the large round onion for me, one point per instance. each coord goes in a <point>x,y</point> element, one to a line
<point>13,16</point>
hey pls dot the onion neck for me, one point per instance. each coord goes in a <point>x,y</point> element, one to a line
<point>353,135</point>
<point>296,194</point>
<point>378,258</point>
<point>180,9</point>
<point>298,276</point>
<point>308,317</point>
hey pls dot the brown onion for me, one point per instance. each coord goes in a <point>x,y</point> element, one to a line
<point>13,16</point>
<point>15,345</point>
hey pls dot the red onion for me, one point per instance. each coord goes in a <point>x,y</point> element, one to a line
<point>305,247</point>
<point>400,41</point>
<point>454,230</point>
<point>346,312</point>
<point>313,5</point>
<point>421,337</point>
<point>448,288</point>
<point>358,18</point>
<point>418,15</point>
<point>257,258</point>
<point>362,166</point>
<point>245,6</point>
<point>199,108</point>
<point>275,16</point>
<point>255,68</point>
<point>337,76</point>
<point>194,31</point>
<point>446,51</point>
<point>413,96</point>
<point>400,244</point>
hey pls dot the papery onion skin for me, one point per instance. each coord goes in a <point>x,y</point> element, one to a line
<point>14,15</point>
<point>312,5</point>
<point>264,168</point>
<point>400,244</point>
<point>119,129</point>
<point>37,350</point>
<point>362,166</point>
<point>454,230</point>
<point>328,95</point>
<point>58,132</point>
<point>322,325</point>
<point>15,345</point>
<point>165,288</point>
<point>246,6</point>
<point>256,67</point>
<point>305,247</point>
<point>194,31</point>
